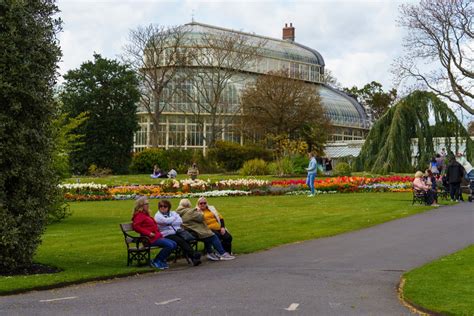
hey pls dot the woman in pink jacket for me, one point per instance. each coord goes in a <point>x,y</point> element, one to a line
<point>145,225</point>
<point>420,185</point>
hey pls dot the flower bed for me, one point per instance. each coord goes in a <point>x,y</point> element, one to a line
<point>195,188</point>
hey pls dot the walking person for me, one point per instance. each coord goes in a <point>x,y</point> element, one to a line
<point>145,225</point>
<point>312,169</point>
<point>169,223</point>
<point>454,173</point>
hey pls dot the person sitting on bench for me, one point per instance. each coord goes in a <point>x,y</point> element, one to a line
<point>193,221</point>
<point>169,223</point>
<point>420,185</point>
<point>145,225</point>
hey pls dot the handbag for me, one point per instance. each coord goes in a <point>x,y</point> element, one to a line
<point>185,235</point>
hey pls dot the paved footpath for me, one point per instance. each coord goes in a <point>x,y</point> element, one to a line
<point>350,274</point>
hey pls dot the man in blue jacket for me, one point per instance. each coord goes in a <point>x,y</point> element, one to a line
<point>312,169</point>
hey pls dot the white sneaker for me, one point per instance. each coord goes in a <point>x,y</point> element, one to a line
<point>226,256</point>
<point>212,257</point>
<point>311,195</point>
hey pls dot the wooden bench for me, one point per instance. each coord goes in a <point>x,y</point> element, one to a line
<point>138,248</point>
<point>419,197</point>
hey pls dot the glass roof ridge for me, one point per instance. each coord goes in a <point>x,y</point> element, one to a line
<point>318,55</point>
<point>354,102</point>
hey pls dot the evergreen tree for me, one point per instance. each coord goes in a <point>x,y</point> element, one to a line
<point>107,91</point>
<point>388,145</point>
<point>28,185</point>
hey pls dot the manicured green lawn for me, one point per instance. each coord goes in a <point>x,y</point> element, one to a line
<point>146,179</point>
<point>445,286</point>
<point>89,244</point>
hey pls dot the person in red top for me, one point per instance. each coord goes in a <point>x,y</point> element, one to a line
<point>145,225</point>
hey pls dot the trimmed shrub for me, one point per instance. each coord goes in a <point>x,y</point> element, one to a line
<point>299,164</point>
<point>231,156</point>
<point>342,169</point>
<point>282,167</point>
<point>144,161</point>
<point>178,159</point>
<point>254,167</point>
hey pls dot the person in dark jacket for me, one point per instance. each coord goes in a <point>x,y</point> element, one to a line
<point>454,173</point>
<point>146,225</point>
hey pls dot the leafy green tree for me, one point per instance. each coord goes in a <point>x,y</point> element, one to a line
<point>28,182</point>
<point>374,98</point>
<point>108,91</point>
<point>388,145</point>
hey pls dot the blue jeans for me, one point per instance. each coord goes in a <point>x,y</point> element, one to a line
<point>310,181</point>
<point>167,246</point>
<point>470,176</point>
<point>213,241</point>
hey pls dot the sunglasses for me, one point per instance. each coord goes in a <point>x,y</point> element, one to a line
<point>160,206</point>
<point>202,203</point>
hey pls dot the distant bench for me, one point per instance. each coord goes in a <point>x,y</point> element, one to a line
<point>139,249</point>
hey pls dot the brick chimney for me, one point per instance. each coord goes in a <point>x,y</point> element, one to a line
<point>289,33</point>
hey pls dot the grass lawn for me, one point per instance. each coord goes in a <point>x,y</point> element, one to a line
<point>445,286</point>
<point>146,179</point>
<point>89,244</point>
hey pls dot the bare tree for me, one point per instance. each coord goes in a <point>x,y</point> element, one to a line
<point>217,59</point>
<point>157,54</point>
<point>277,105</point>
<point>470,128</point>
<point>331,80</point>
<point>439,48</point>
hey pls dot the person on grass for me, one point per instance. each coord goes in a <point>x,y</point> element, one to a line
<point>145,225</point>
<point>215,222</point>
<point>420,185</point>
<point>193,221</point>
<point>312,170</point>
<point>169,222</point>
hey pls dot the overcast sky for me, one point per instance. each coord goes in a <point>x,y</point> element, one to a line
<point>357,39</point>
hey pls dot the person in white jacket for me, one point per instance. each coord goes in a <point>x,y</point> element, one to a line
<point>469,175</point>
<point>169,223</point>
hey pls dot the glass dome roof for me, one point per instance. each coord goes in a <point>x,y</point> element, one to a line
<point>273,47</point>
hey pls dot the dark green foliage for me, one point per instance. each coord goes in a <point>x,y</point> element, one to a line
<point>299,164</point>
<point>28,182</point>
<point>387,147</point>
<point>231,156</point>
<point>108,91</point>
<point>180,160</point>
<point>374,98</point>
<point>342,169</point>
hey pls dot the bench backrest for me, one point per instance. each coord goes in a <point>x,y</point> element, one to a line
<point>126,227</point>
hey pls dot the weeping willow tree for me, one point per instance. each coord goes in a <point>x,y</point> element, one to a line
<point>388,145</point>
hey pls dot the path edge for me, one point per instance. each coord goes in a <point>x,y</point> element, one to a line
<point>414,308</point>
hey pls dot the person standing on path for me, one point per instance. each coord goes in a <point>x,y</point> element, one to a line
<point>312,169</point>
<point>469,175</point>
<point>454,173</point>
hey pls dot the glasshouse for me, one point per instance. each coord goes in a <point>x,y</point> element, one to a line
<point>186,119</point>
